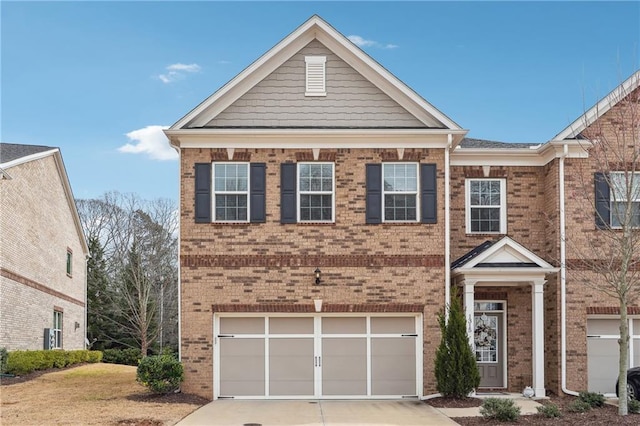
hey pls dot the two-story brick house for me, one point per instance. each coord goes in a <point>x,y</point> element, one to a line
<point>328,213</point>
<point>42,252</point>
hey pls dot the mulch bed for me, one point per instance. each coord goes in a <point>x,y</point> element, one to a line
<point>605,416</point>
<point>7,380</point>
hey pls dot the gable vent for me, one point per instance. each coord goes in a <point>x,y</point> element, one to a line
<point>315,75</point>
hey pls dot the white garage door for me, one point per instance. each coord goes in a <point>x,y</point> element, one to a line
<point>317,356</point>
<point>603,352</point>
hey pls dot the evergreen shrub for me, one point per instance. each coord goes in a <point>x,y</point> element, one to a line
<point>500,409</point>
<point>160,373</point>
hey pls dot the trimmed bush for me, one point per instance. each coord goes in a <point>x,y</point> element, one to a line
<point>160,373</point>
<point>579,406</point>
<point>550,411</point>
<point>500,409</point>
<point>634,406</point>
<point>25,362</point>
<point>595,400</point>
<point>130,356</point>
<point>3,360</point>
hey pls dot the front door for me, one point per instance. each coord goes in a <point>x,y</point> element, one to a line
<point>489,348</point>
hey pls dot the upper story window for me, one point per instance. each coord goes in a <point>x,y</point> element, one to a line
<point>400,192</point>
<point>486,206</point>
<point>316,191</point>
<point>69,261</point>
<point>231,192</point>
<point>315,76</point>
<point>57,330</point>
<point>624,192</point>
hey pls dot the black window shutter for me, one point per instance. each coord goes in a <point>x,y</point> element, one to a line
<point>203,192</point>
<point>374,193</point>
<point>288,178</point>
<point>429,201</point>
<point>602,200</point>
<point>258,192</point>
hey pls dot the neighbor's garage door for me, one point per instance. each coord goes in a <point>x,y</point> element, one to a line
<point>317,356</point>
<point>603,352</point>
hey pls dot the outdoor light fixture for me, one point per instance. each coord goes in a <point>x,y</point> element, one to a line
<point>317,272</point>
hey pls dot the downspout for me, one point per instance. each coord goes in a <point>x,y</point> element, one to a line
<point>447,225</point>
<point>177,148</point>
<point>447,238</point>
<point>563,276</point>
<point>86,299</point>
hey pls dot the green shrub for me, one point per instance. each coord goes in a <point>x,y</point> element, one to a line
<point>3,360</point>
<point>579,406</point>
<point>160,373</point>
<point>25,362</point>
<point>550,411</point>
<point>94,356</point>
<point>456,369</point>
<point>634,406</point>
<point>595,400</point>
<point>501,409</point>
<point>130,356</point>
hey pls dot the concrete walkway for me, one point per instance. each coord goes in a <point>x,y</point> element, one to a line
<point>327,412</point>
<point>316,413</point>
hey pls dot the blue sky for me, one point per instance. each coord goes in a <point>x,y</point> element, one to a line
<point>96,78</point>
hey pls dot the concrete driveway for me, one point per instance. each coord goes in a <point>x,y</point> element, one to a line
<point>315,412</point>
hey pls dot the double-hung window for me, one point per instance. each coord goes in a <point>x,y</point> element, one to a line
<point>625,194</point>
<point>486,209</point>
<point>231,192</point>
<point>57,330</point>
<point>400,192</point>
<point>316,192</point>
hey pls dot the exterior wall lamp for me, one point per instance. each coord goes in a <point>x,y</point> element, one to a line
<point>317,273</point>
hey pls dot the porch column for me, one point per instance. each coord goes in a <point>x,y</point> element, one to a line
<point>469,308</point>
<point>537,292</point>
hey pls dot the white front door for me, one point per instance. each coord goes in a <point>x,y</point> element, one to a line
<point>317,356</point>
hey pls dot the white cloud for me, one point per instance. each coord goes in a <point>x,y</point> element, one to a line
<point>178,71</point>
<point>151,141</point>
<point>362,42</point>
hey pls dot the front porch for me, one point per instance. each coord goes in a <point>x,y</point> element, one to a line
<point>494,270</point>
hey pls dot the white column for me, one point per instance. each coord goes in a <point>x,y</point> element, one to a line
<point>537,292</point>
<point>469,308</point>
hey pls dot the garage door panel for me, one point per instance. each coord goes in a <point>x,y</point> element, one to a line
<point>393,366</point>
<point>344,366</point>
<point>282,325</point>
<point>244,370</point>
<point>602,364</point>
<point>344,325</point>
<point>291,367</point>
<point>242,325</point>
<point>393,325</point>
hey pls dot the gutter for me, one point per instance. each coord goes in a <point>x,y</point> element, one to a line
<point>563,276</point>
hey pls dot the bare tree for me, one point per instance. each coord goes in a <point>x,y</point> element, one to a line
<point>610,260</point>
<point>139,243</point>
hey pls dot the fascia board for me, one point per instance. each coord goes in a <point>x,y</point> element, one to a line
<point>253,67</point>
<point>600,108</point>
<point>315,27</point>
<point>535,156</point>
<point>509,244</point>
<point>28,158</point>
<point>386,81</point>
<point>297,139</point>
<point>62,173</point>
<point>508,275</point>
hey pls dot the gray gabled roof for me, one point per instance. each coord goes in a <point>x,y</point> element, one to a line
<point>483,143</point>
<point>13,151</point>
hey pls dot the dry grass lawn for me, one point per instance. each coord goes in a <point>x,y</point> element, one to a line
<point>91,394</point>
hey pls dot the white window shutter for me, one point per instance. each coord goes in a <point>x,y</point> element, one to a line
<point>316,76</point>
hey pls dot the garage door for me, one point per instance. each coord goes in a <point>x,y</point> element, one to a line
<point>317,356</point>
<point>603,352</point>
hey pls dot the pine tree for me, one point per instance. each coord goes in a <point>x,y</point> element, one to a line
<point>456,370</point>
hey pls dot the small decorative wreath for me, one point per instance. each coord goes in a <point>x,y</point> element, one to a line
<point>484,335</point>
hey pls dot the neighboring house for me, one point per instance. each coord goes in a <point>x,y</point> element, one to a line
<point>328,213</point>
<point>42,253</point>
